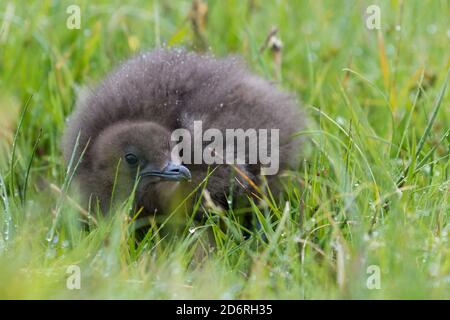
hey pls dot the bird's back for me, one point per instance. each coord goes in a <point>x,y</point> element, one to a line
<point>175,88</point>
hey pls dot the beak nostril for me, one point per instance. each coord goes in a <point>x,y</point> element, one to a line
<point>176,172</point>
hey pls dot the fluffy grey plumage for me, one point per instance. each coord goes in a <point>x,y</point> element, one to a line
<point>135,109</point>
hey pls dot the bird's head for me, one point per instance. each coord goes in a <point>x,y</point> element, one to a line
<point>127,151</point>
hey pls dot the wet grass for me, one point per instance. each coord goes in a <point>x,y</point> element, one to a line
<point>371,194</point>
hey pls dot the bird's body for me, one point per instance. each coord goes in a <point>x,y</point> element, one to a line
<point>137,107</point>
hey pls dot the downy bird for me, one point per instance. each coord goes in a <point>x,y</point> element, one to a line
<point>120,133</point>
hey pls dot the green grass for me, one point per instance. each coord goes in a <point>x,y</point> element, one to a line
<point>372,189</point>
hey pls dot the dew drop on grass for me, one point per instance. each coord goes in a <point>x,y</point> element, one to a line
<point>312,56</point>
<point>6,228</point>
<point>49,236</point>
<point>340,121</point>
<point>431,29</point>
<point>65,244</point>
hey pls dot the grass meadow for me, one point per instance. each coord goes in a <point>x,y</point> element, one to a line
<point>365,216</point>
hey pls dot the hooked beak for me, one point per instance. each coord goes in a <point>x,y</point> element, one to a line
<point>172,172</point>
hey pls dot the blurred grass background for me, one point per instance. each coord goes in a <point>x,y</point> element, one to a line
<point>372,190</point>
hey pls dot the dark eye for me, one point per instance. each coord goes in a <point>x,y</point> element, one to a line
<point>131,159</point>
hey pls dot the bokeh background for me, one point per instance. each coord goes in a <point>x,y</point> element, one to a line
<point>372,190</point>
